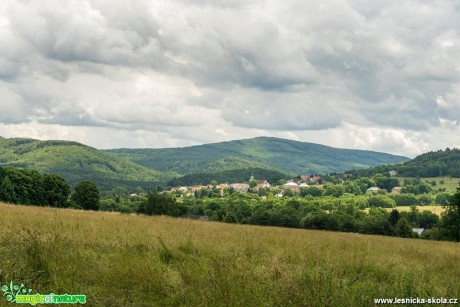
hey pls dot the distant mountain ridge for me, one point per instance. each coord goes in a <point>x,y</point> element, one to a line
<point>147,167</point>
<point>286,156</point>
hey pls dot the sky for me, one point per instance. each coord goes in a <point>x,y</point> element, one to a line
<point>379,75</point>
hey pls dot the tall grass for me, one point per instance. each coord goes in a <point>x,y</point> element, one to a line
<point>127,260</point>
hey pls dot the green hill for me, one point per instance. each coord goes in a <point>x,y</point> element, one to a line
<point>76,162</point>
<point>431,164</point>
<point>282,155</point>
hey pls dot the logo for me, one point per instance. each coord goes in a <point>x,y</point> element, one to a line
<point>20,294</point>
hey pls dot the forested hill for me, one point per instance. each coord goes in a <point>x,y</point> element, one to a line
<point>431,164</point>
<point>76,162</point>
<point>283,155</point>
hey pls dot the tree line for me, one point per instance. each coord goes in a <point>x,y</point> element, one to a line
<point>30,187</point>
<point>343,214</point>
<point>335,213</point>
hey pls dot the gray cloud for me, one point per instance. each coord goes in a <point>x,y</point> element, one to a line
<point>280,111</point>
<point>216,70</point>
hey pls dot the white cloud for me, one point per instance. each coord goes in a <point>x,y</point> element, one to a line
<point>12,107</point>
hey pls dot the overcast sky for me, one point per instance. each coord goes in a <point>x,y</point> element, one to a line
<point>378,75</point>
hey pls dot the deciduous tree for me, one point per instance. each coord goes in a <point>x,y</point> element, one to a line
<point>87,195</point>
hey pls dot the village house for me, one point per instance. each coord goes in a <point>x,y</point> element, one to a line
<point>419,231</point>
<point>240,187</point>
<point>223,186</point>
<point>396,190</point>
<point>303,185</point>
<point>373,190</point>
<point>263,184</point>
<point>304,178</point>
<point>290,185</point>
<point>315,179</point>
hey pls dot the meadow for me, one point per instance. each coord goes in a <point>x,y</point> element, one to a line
<point>449,183</point>
<point>434,209</point>
<point>128,260</point>
<point>438,210</point>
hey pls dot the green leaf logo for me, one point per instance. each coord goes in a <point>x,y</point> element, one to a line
<point>13,290</point>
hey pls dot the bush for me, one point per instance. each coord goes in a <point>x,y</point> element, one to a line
<point>320,220</point>
<point>159,204</point>
<point>125,209</point>
<point>376,224</point>
<point>381,201</point>
<point>442,198</point>
<point>405,199</point>
<point>87,195</point>
<point>403,229</point>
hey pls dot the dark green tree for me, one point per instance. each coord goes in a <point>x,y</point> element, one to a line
<point>403,229</point>
<point>7,192</point>
<point>374,224</point>
<point>405,199</point>
<point>160,204</point>
<point>382,201</point>
<point>428,219</point>
<point>450,224</point>
<point>252,183</point>
<point>336,190</point>
<point>57,191</point>
<point>230,217</point>
<point>385,182</point>
<point>86,195</point>
<point>313,191</point>
<point>442,198</point>
<point>394,217</point>
<point>288,192</point>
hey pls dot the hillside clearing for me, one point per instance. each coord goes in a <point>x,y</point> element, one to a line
<point>449,183</point>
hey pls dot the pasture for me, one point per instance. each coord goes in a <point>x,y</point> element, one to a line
<point>129,260</point>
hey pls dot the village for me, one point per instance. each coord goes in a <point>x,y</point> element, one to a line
<point>282,187</point>
<point>254,185</point>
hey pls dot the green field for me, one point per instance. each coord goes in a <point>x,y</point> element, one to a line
<point>128,260</point>
<point>451,184</point>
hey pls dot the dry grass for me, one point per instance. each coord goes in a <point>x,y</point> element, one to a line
<point>127,260</point>
<point>434,209</point>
